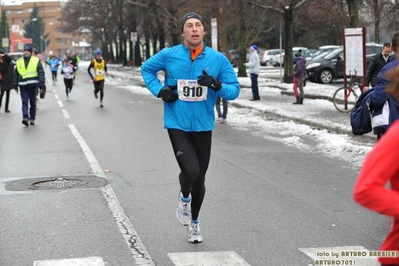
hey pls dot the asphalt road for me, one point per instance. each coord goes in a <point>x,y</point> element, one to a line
<point>266,203</point>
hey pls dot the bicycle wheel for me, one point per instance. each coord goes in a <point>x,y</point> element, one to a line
<point>339,99</point>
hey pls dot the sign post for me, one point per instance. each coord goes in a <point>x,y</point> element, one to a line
<point>214,33</point>
<point>354,52</point>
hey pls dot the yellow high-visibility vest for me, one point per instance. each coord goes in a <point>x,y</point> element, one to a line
<point>31,70</point>
<point>99,69</point>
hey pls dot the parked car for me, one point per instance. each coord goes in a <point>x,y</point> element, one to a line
<point>305,54</point>
<point>323,49</point>
<point>270,57</point>
<point>325,70</point>
<point>233,56</point>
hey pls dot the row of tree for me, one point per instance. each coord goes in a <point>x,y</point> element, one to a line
<point>309,23</point>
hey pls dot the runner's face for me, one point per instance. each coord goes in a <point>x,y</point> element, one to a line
<point>193,32</point>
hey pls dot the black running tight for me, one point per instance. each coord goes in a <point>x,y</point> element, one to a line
<point>192,151</point>
<point>99,87</point>
<point>54,75</point>
<point>68,85</point>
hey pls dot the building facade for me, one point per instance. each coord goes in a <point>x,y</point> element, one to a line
<point>50,12</point>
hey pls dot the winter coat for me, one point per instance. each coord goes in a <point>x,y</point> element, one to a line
<point>379,97</point>
<point>376,64</point>
<point>7,70</point>
<point>253,64</point>
<point>371,191</point>
<point>40,74</point>
<point>176,62</point>
<point>299,69</point>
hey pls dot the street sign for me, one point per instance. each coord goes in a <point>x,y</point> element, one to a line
<point>15,28</point>
<point>133,36</point>
<point>5,42</point>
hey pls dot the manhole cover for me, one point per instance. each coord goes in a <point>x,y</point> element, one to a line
<point>60,183</point>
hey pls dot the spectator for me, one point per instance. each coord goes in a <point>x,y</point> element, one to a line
<point>299,73</point>
<point>253,66</point>
<point>376,64</point>
<point>7,81</point>
<point>382,119</point>
<point>29,75</point>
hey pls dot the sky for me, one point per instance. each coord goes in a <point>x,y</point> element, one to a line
<point>274,117</point>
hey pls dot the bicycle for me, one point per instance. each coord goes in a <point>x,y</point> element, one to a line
<point>345,98</point>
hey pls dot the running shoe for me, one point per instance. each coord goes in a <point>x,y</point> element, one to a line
<point>95,95</point>
<point>25,122</point>
<point>219,120</point>
<point>32,122</point>
<point>194,232</point>
<point>67,98</point>
<point>101,105</point>
<point>183,211</point>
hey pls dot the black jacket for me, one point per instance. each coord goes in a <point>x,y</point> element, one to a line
<point>376,64</point>
<point>7,70</point>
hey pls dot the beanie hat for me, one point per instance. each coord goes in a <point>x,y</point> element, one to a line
<point>188,16</point>
<point>98,52</point>
<point>28,48</point>
<point>254,47</point>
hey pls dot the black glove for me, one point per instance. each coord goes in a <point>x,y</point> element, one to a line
<point>209,81</point>
<point>168,95</point>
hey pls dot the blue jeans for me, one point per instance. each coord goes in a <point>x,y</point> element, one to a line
<point>220,114</point>
<point>254,86</point>
<point>28,96</point>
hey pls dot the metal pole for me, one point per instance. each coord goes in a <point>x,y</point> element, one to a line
<point>281,48</point>
<point>41,38</point>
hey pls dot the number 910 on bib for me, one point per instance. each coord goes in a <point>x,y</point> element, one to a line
<point>190,90</point>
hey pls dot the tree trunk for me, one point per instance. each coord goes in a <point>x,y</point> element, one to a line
<point>242,39</point>
<point>288,39</point>
<point>353,12</point>
<point>377,19</point>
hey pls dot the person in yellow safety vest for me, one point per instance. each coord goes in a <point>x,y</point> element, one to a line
<point>98,73</point>
<point>29,74</point>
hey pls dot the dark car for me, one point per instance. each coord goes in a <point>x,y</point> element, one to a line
<point>331,66</point>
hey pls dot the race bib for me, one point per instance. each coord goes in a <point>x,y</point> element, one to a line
<point>190,90</point>
<point>53,65</point>
<point>100,72</point>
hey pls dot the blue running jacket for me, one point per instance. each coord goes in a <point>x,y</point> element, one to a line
<point>176,63</point>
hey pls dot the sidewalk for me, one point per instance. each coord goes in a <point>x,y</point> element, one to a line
<point>276,100</point>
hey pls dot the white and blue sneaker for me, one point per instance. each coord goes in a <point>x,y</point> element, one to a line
<point>194,232</point>
<point>183,211</point>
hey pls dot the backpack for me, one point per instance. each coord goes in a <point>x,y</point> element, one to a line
<point>360,116</point>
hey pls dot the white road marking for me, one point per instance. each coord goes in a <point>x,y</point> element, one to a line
<point>56,96</point>
<point>60,104</point>
<point>133,241</point>
<point>89,261</point>
<point>215,258</point>
<point>352,255</point>
<point>65,113</point>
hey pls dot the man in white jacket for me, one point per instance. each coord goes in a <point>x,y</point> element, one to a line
<point>253,66</point>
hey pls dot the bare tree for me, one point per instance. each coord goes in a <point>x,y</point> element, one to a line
<point>287,10</point>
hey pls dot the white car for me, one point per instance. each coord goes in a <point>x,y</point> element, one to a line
<point>270,57</point>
